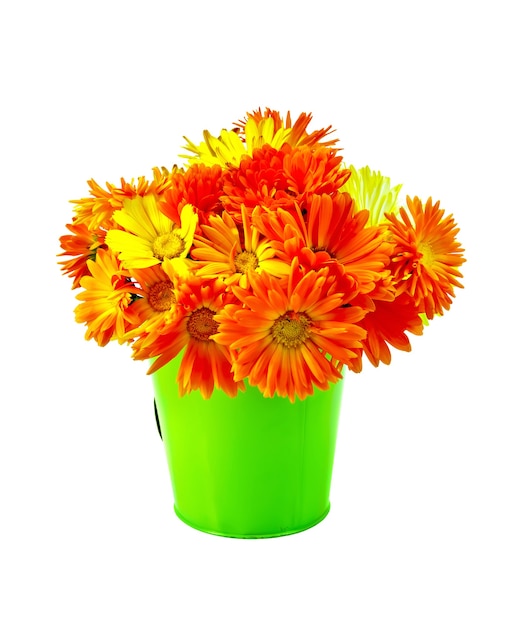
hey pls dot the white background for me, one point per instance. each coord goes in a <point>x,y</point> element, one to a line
<point>426,516</point>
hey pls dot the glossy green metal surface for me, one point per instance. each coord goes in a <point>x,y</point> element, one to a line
<point>248,466</point>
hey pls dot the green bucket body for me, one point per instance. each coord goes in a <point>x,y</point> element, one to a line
<point>248,466</point>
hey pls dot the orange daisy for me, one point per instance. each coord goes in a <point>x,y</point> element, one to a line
<point>287,340</point>
<point>106,300</point>
<point>205,364</point>
<point>82,245</point>
<point>97,210</point>
<point>426,255</point>
<point>326,229</point>
<point>230,251</point>
<point>200,186</point>
<point>258,180</point>
<point>315,171</point>
<point>278,178</point>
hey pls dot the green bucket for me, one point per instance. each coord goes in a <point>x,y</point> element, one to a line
<point>248,466</point>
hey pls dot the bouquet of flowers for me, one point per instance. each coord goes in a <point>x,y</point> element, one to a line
<point>264,258</point>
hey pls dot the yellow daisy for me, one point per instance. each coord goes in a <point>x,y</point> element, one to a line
<point>148,237</point>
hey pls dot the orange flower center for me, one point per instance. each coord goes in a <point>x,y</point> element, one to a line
<point>291,329</point>
<point>245,261</point>
<point>201,324</point>
<point>161,296</point>
<point>168,246</point>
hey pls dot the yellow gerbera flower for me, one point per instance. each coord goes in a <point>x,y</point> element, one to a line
<point>148,236</point>
<point>372,191</point>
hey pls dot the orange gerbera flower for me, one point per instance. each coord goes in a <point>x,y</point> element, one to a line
<point>97,210</point>
<point>200,185</point>
<point>326,229</point>
<point>315,171</point>
<point>106,300</point>
<point>258,180</point>
<point>289,339</point>
<point>278,178</point>
<point>205,364</point>
<point>230,253</point>
<point>275,179</point>
<point>82,245</point>
<point>426,255</point>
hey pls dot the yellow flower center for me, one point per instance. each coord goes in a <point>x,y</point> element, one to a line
<point>201,324</point>
<point>425,249</point>
<point>168,246</point>
<point>161,296</point>
<point>291,329</point>
<point>245,261</point>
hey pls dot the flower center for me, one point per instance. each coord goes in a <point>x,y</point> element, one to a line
<point>161,296</point>
<point>201,324</point>
<point>291,329</point>
<point>168,246</point>
<point>245,261</point>
<point>425,249</point>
